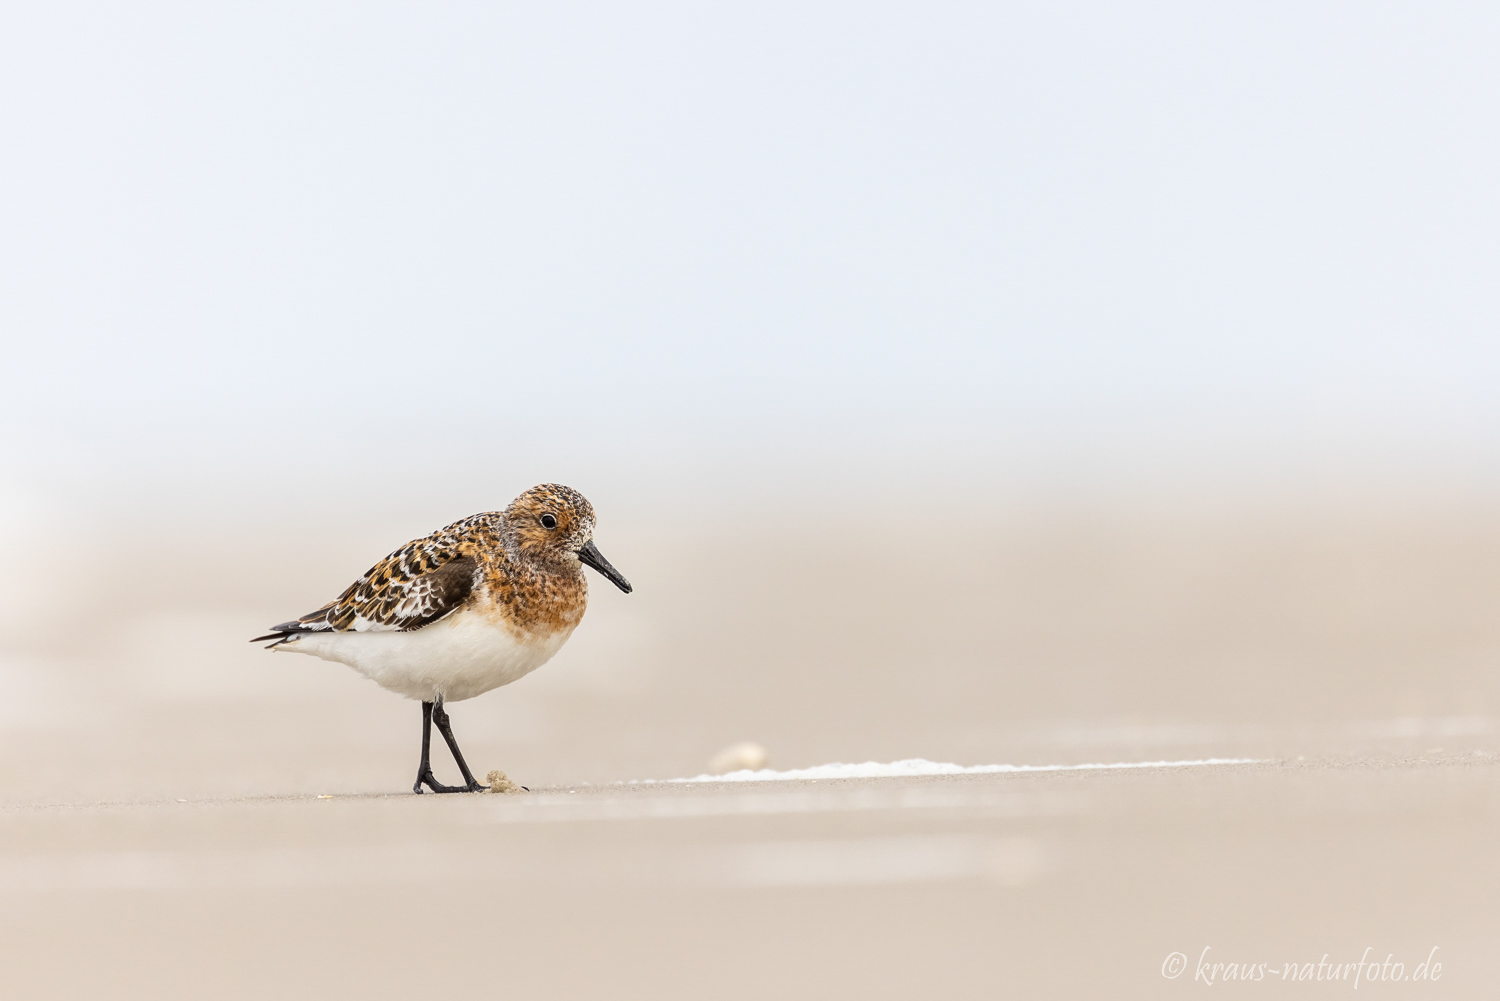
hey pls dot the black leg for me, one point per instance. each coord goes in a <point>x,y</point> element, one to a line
<point>440,717</point>
<point>424,770</point>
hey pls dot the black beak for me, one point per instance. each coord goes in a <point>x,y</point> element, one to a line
<point>591,556</point>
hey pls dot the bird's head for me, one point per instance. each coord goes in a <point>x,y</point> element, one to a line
<point>551,523</point>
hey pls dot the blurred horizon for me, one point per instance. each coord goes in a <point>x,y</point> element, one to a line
<point>307,255</point>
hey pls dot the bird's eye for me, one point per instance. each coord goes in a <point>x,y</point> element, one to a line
<point>548,521</point>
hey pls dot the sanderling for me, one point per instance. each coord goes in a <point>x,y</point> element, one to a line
<point>471,607</point>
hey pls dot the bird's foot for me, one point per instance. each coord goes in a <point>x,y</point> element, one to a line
<point>425,777</point>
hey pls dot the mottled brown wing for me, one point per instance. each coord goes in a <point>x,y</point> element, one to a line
<point>425,598</point>
<point>415,586</point>
<point>402,592</point>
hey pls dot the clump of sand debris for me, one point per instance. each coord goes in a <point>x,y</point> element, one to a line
<point>499,783</point>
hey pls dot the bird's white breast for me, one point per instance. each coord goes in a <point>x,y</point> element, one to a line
<point>457,657</point>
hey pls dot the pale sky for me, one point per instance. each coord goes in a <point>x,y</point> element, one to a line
<point>238,236</point>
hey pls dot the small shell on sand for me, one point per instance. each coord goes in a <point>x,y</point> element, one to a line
<point>736,757</point>
<point>499,783</point>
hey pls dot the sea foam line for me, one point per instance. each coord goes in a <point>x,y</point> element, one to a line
<point>921,766</point>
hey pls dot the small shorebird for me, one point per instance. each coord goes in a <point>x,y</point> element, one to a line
<point>471,607</point>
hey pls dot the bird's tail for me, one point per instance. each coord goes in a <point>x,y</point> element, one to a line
<point>317,622</point>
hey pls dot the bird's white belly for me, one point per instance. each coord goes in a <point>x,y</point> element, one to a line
<point>457,657</point>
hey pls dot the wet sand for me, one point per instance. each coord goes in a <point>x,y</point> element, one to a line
<point>186,816</point>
